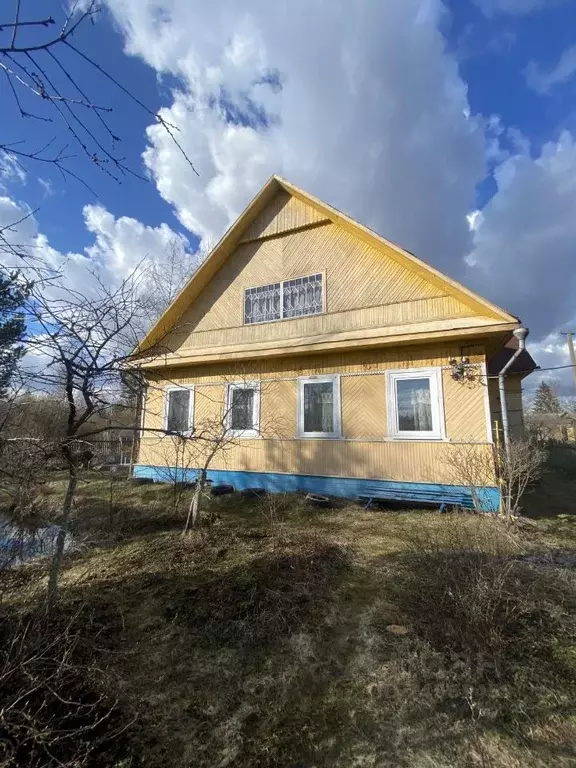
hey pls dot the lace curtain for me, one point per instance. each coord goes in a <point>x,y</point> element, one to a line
<point>414,405</point>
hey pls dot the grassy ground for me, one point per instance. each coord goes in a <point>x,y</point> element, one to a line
<point>289,636</point>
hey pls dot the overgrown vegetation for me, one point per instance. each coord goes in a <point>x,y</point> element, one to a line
<point>284,635</point>
<point>59,705</point>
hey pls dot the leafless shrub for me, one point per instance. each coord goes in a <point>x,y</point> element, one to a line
<point>187,455</point>
<point>57,707</point>
<point>519,468</point>
<point>514,469</point>
<point>495,620</point>
<point>177,464</point>
<point>272,509</point>
<point>24,467</point>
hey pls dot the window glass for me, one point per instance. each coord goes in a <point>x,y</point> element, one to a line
<point>413,404</point>
<point>302,296</point>
<point>242,408</point>
<point>319,406</point>
<point>290,298</point>
<point>178,419</point>
<point>262,304</point>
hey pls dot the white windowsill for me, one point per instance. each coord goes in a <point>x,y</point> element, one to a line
<point>420,438</point>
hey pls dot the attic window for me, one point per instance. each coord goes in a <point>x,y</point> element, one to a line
<point>281,301</point>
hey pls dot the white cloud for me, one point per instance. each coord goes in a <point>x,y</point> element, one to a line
<point>514,7</point>
<point>524,245</point>
<point>551,352</point>
<point>120,246</point>
<point>123,244</point>
<point>363,106</point>
<point>47,186</point>
<point>10,171</point>
<point>543,81</point>
<point>372,114</point>
<point>474,220</point>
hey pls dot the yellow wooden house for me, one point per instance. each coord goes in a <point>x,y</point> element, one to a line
<point>335,361</point>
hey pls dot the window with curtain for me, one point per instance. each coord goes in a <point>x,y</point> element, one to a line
<point>243,409</point>
<point>319,407</point>
<point>414,404</point>
<point>178,410</point>
<point>281,301</point>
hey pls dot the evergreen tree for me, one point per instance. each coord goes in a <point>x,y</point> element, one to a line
<point>13,294</point>
<point>546,400</point>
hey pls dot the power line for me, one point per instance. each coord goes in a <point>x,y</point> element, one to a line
<point>538,370</point>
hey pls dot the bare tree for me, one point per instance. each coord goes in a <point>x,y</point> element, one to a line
<point>176,464</point>
<point>41,63</point>
<point>188,454</point>
<point>166,276</point>
<point>80,343</point>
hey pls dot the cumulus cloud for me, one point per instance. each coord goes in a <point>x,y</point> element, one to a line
<point>552,355</point>
<point>119,247</point>
<point>542,81</point>
<point>366,108</point>
<point>523,254</point>
<point>363,106</point>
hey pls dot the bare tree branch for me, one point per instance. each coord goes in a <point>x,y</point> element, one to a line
<point>26,74</point>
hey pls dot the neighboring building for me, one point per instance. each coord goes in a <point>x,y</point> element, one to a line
<point>341,363</point>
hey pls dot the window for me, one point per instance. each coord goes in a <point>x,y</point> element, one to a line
<point>178,416</point>
<point>280,301</point>
<point>319,407</point>
<point>243,409</point>
<point>261,305</point>
<point>415,404</point>
<point>302,296</point>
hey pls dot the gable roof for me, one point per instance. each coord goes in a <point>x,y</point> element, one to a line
<point>233,235</point>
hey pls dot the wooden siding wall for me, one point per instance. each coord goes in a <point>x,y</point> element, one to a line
<point>513,402</point>
<point>364,452</point>
<point>281,215</point>
<point>364,287</point>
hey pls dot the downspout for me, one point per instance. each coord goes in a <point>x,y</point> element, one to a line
<point>520,334</point>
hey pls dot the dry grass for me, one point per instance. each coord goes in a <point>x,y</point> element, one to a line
<point>264,640</point>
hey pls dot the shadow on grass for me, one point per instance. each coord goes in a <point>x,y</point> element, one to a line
<point>283,656</point>
<point>505,630</point>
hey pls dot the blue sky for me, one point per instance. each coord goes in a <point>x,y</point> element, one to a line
<point>447,126</point>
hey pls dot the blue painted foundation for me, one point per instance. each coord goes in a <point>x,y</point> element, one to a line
<point>345,487</point>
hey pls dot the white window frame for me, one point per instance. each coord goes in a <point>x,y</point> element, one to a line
<point>434,375</point>
<point>337,433</point>
<point>255,432</point>
<point>167,391</point>
<point>282,318</point>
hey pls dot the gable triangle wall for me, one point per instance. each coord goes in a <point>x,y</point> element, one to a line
<point>282,214</point>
